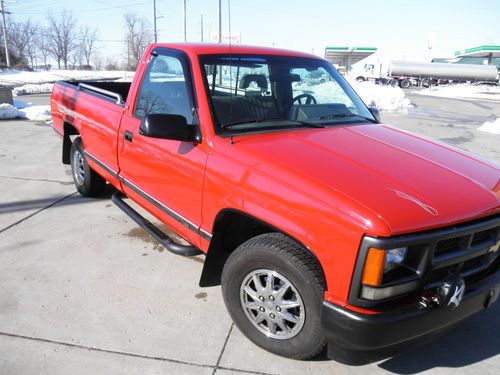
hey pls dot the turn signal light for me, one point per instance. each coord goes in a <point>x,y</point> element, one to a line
<point>374,267</point>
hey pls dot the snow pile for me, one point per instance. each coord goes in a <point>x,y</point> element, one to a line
<point>463,91</point>
<point>43,88</point>
<point>25,111</point>
<point>8,111</point>
<point>491,127</point>
<point>385,98</point>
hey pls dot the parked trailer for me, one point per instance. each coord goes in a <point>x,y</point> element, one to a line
<point>422,74</point>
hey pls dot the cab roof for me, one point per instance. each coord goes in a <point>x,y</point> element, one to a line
<point>212,49</point>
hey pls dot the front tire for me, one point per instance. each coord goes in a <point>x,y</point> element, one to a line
<point>273,290</point>
<point>87,181</point>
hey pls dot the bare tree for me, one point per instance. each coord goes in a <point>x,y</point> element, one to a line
<point>62,37</point>
<point>88,43</point>
<point>97,61</point>
<point>138,36</point>
<point>21,37</point>
<point>43,42</point>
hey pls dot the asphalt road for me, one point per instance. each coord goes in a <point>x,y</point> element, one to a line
<point>84,291</point>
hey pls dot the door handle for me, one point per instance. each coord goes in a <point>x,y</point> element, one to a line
<point>128,136</point>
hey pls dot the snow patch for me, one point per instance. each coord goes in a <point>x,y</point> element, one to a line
<point>491,127</point>
<point>43,88</point>
<point>37,113</point>
<point>463,91</point>
<point>25,111</point>
<point>20,78</point>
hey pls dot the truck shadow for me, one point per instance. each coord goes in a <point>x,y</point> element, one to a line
<point>35,204</point>
<point>474,340</point>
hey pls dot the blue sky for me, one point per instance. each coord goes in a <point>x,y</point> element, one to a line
<point>398,28</point>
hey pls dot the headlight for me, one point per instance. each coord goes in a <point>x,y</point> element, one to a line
<point>394,258</point>
<point>380,262</point>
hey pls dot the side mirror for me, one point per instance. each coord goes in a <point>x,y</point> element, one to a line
<point>165,126</point>
<point>375,113</point>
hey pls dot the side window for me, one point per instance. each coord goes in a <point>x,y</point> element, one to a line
<point>164,89</point>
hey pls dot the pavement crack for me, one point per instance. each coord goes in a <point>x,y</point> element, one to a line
<point>36,212</point>
<point>35,179</point>
<point>133,355</point>
<point>109,351</point>
<point>223,348</point>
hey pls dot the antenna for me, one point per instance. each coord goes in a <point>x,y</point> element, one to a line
<point>231,66</point>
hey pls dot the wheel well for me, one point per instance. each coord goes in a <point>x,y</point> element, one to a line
<point>231,229</point>
<point>69,131</point>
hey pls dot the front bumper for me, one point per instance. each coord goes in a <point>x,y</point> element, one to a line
<point>357,338</point>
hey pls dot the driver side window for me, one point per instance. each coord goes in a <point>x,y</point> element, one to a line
<point>164,89</point>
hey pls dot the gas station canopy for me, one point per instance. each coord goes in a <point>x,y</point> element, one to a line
<point>346,56</point>
<point>488,52</point>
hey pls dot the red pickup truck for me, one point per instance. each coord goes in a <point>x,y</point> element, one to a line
<point>321,224</point>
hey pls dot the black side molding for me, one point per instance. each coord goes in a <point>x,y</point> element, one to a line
<point>157,234</point>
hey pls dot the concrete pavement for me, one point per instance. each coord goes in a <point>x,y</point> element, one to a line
<point>84,291</point>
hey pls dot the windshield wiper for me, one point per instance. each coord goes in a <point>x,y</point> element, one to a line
<point>344,115</point>
<point>270,119</point>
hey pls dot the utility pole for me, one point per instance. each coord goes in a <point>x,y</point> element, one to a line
<point>220,19</point>
<point>201,27</point>
<point>154,22</point>
<point>185,32</point>
<point>3,11</point>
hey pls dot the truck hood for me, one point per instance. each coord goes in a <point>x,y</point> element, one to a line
<point>409,182</point>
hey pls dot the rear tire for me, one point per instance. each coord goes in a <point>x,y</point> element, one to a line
<point>404,83</point>
<point>87,181</point>
<point>285,320</point>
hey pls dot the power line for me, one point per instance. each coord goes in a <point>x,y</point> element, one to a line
<point>90,10</point>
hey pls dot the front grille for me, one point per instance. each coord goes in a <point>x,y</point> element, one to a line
<point>466,250</point>
<point>448,245</point>
<point>468,256</point>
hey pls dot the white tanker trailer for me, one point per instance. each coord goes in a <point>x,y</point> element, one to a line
<point>406,73</point>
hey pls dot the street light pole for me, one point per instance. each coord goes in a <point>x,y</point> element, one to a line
<point>220,20</point>
<point>3,11</point>
<point>185,32</point>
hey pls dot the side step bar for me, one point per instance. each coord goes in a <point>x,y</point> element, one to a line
<point>157,234</point>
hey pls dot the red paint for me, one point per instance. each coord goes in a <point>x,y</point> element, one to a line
<point>324,187</point>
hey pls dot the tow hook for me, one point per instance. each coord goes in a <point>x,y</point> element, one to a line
<point>451,292</point>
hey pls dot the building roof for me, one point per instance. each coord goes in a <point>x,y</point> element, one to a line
<point>480,51</point>
<point>348,55</point>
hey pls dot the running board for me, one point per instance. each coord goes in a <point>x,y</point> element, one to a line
<point>155,232</point>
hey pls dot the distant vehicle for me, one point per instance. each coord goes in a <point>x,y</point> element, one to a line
<point>407,74</point>
<point>424,74</point>
<point>322,225</point>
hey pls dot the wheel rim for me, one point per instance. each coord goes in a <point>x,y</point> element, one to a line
<point>78,167</point>
<point>272,304</point>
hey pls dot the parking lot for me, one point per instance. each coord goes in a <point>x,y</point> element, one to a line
<point>83,290</point>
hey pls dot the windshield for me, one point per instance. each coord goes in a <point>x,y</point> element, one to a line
<point>253,93</point>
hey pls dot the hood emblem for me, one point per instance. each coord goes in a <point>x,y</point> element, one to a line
<point>431,210</point>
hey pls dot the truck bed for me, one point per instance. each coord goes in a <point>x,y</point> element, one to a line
<point>120,88</point>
